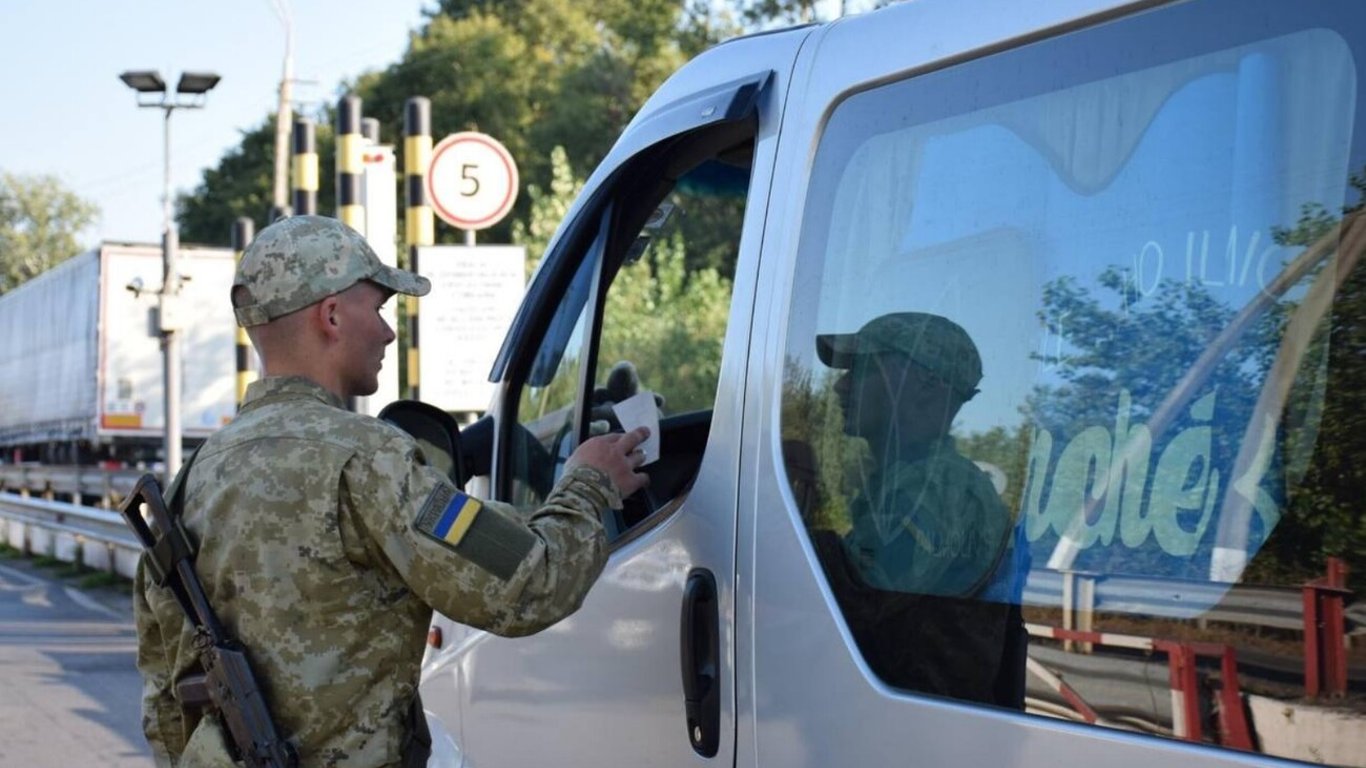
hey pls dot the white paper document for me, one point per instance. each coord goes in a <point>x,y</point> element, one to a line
<point>639,410</point>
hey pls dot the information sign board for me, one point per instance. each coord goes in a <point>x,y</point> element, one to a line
<point>475,293</point>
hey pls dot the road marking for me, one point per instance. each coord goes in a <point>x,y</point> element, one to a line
<point>28,581</point>
<point>78,597</point>
<point>86,601</point>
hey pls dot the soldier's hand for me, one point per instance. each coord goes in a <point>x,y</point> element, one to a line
<point>618,455</point>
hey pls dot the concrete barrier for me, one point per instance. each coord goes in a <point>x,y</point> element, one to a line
<point>1315,734</point>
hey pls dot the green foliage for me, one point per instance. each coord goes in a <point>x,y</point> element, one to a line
<point>786,12</point>
<point>1140,344</point>
<point>1007,449</point>
<point>548,207</point>
<point>820,460</point>
<point>39,222</point>
<point>705,24</point>
<point>670,324</point>
<point>104,580</point>
<point>1324,516</point>
<point>536,74</point>
<point>242,185</point>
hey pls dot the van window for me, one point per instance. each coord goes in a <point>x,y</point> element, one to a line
<point>665,262</point>
<point>1077,345</point>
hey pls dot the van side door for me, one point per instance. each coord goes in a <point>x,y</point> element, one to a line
<point>1050,449</point>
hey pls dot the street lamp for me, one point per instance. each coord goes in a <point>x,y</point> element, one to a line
<point>190,93</point>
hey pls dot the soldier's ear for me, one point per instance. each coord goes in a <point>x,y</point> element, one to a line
<point>328,316</point>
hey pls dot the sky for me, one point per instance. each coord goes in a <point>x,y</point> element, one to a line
<point>66,113</point>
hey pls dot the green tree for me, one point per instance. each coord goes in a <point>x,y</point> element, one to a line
<point>39,222</point>
<point>537,74</point>
<point>548,207</point>
<point>821,462</point>
<point>1007,449</point>
<point>1323,516</point>
<point>242,184</point>
<point>767,13</point>
<point>705,24</point>
<point>670,323</point>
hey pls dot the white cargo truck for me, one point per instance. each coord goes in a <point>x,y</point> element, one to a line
<point>82,379</point>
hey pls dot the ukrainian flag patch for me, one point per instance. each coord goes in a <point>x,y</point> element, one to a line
<point>447,515</point>
<point>481,534</point>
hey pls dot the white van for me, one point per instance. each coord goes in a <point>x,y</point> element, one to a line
<point>1009,365</point>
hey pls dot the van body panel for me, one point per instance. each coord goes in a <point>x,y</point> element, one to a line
<point>603,687</point>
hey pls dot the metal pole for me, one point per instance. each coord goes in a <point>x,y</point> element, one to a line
<point>170,291</point>
<point>284,118</point>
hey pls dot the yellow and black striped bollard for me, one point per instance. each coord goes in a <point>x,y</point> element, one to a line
<point>350,164</point>
<point>243,231</point>
<point>305,170</point>
<point>418,223</point>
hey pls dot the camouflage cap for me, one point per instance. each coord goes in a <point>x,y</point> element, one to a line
<point>303,259</point>
<point>934,342</point>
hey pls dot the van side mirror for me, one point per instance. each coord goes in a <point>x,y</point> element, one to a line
<point>434,429</point>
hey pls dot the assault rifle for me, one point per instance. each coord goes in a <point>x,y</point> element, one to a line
<point>227,684</point>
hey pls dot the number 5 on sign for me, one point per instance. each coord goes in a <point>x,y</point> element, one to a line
<point>472,180</point>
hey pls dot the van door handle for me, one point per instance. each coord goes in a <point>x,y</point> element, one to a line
<point>699,643</point>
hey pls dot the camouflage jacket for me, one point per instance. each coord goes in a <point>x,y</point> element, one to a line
<point>324,544</point>
<point>933,526</point>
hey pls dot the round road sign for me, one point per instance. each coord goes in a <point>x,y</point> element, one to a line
<point>472,180</point>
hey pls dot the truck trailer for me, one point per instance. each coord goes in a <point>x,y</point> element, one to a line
<point>83,375</point>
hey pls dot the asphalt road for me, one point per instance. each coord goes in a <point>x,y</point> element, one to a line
<point>69,690</point>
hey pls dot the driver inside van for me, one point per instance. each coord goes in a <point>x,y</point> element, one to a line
<point>928,573</point>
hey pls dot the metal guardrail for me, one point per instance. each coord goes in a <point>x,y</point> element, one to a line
<point>68,531</point>
<point>69,482</point>
<point>1280,607</point>
<point>72,524</point>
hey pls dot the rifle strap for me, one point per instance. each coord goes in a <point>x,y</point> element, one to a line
<point>175,493</point>
<point>174,544</point>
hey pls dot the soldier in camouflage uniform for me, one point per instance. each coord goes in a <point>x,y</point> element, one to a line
<point>324,539</point>
<point>928,575</point>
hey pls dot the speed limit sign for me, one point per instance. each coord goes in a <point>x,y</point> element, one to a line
<point>472,180</point>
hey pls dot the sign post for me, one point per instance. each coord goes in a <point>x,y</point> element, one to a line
<point>471,182</point>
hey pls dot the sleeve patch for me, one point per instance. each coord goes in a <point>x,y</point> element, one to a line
<point>447,515</point>
<point>483,536</point>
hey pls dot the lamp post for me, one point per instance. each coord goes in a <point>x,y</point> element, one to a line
<point>284,118</point>
<point>190,93</point>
